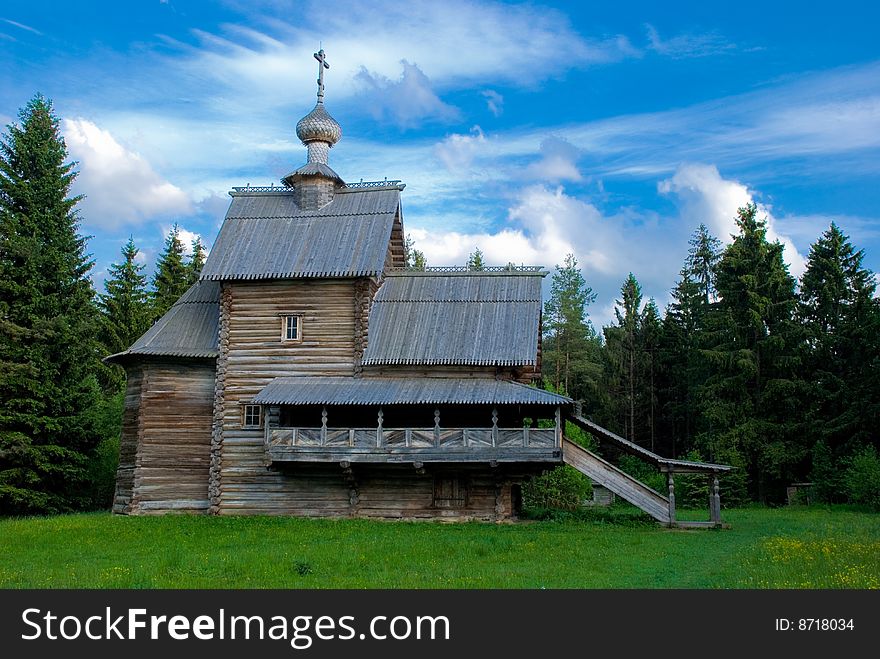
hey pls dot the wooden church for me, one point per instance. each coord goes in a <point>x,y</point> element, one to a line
<point>310,373</point>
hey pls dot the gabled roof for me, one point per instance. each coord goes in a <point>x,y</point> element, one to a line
<point>402,391</point>
<point>189,328</point>
<point>487,318</point>
<point>267,236</point>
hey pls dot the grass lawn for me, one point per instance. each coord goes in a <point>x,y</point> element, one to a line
<point>781,548</point>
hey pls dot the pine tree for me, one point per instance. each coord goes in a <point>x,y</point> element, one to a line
<point>683,370</point>
<point>475,260</point>
<point>841,321</point>
<point>622,342</point>
<point>570,356</point>
<point>751,399</point>
<point>196,261</point>
<point>702,262</point>
<point>48,322</point>
<point>125,304</point>
<point>414,259</point>
<point>172,276</point>
<point>649,344</point>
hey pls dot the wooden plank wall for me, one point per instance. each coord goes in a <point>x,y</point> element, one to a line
<point>174,434</point>
<point>378,491</point>
<point>254,356</point>
<point>128,441</point>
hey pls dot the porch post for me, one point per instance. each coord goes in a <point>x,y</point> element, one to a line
<point>494,426</point>
<point>437,427</point>
<point>558,416</point>
<point>671,482</point>
<point>323,426</point>
<point>714,499</point>
<point>381,415</point>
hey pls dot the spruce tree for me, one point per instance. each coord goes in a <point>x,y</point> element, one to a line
<point>841,321</point>
<point>475,260</point>
<point>571,358</point>
<point>48,322</point>
<point>649,344</point>
<point>684,334</point>
<point>414,259</point>
<point>125,304</point>
<point>196,261</point>
<point>752,397</point>
<point>623,351</point>
<point>702,262</point>
<point>172,276</point>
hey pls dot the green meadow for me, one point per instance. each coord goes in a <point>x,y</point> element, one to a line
<point>797,547</point>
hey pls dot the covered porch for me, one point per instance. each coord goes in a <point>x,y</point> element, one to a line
<point>410,420</point>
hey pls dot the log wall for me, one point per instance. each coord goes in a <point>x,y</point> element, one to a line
<point>384,491</point>
<point>252,355</point>
<point>165,444</point>
<point>128,441</point>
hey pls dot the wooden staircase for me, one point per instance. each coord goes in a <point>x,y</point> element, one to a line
<point>622,484</point>
<point>658,506</point>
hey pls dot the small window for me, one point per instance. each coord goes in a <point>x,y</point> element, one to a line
<point>291,328</point>
<point>253,416</point>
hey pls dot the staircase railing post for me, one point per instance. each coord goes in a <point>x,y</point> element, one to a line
<point>671,483</point>
<point>714,499</point>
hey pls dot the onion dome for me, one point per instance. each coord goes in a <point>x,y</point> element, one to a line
<point>318,126</point>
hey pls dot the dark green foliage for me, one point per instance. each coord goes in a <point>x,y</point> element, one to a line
<point>196,261</point>
<point>571,352</point>
<point>752,397</point>
<point>125,306</point>
<point>563,487</point>
<point>841,353</point>
<point>48,323</point>
<point>100,482</point>
<point>644,472</point>
<point>683,370</point>
<point>862,478</point>
<point>172,276</point>
<point>475,260</point>
<point>742,370</point>
<point>827,474</point>
<point>632,366</point>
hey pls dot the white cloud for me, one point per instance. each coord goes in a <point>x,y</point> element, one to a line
<point>407,101</point>
<point>494,101</point>
<point>22,26</point>
<point>186,237</point>
<point>454,43</point>
<point>706,197</point>
<point>458,151</point>
<point>687,44</point>
<point>545,224</point>
<point>121,187</point>
<point>558,161</point>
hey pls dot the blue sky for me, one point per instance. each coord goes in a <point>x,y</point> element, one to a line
<point>610,130</point>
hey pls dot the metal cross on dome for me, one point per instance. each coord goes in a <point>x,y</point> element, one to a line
<point>322,64</point>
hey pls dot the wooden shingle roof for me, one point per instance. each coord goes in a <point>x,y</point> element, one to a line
<point>456,318</point>
<point>402,391</point>
<point>267,236</point>
<point>188,329</point>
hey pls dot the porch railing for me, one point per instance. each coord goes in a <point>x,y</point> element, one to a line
<point>415,438</point>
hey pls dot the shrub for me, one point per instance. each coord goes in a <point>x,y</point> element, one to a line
<point>692,490</point>
<point>563,487</point>
<point>862,477</point>
<point>827,475</point>
<point>641,470</point>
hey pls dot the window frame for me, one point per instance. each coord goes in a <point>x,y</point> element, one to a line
<point>284,326</point>
<point>244,416</point>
